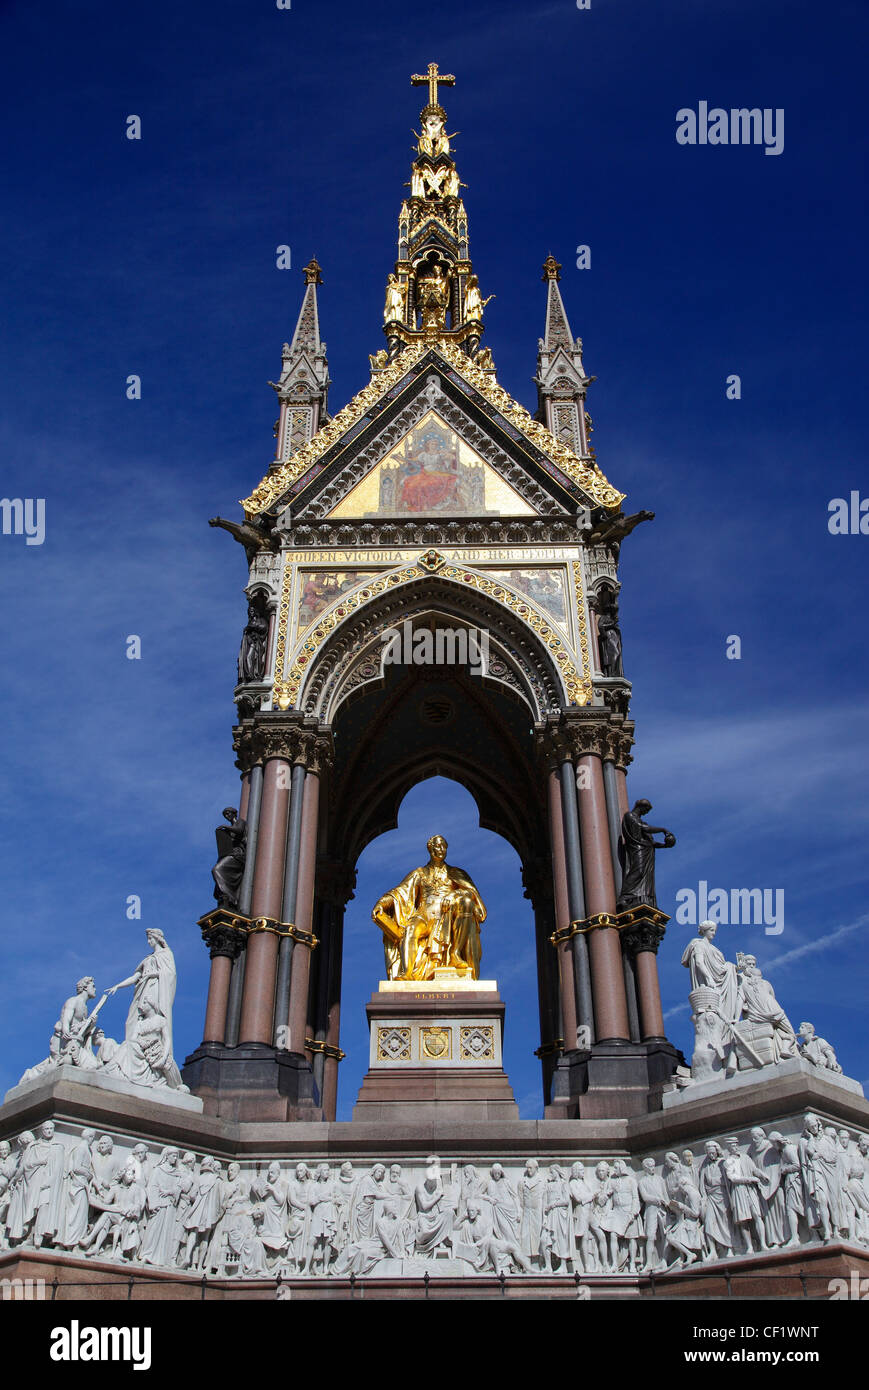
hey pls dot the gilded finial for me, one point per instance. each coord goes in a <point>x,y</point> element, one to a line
<point>313,274</point>
<point>551,269</point>
<point>433,77</point>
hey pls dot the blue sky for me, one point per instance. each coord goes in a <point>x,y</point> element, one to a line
<point>157,257</point>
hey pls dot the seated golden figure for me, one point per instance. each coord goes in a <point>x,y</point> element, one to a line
<point>431,921</point>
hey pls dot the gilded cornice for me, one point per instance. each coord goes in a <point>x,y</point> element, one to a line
<point>583,472</point>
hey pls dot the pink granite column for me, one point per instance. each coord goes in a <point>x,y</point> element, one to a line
<point>608,983</point>
<point>562,912</point>
<point>258,1001</point>
<point>649,992</point>
<point>218,998</point>
<point>298,1014</point>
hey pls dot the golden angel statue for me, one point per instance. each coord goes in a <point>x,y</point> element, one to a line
<point>474,302</point>
<point>431,921</point>
<point>395,293</point>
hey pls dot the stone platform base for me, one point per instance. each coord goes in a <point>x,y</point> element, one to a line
<point>468,1152</point>
<point>808,1273</point>
<point>100,1081</point>
<point>418,1093</point>
<point>792,1066</point>
<point>436,1051</point>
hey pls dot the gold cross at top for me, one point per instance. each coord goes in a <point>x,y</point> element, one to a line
<point>433,77</point>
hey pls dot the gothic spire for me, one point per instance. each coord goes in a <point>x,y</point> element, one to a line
<point>303,387</point>
<point>433,292</point>
<point>561,381</point>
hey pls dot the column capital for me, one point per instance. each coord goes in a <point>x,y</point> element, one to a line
<point>645,931</point>
<point>577,733</point>
<point>296,738</point>
<point>224,932</point>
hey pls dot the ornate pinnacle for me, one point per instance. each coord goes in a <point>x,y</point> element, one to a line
<point>551,269</point>
<point>313,275</point>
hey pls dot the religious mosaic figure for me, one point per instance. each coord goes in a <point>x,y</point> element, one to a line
<point>431,920</point>
<point>638,839</point>
<point>228,872</point>
<point>320,588</point>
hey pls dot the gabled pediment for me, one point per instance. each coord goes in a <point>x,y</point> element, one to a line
<point>519,462</point>
<point>432,471</point>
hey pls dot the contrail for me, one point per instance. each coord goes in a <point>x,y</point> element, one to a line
<point>817,944</point>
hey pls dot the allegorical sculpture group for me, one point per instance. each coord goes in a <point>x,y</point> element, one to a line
<point>97,1196</point>
<point>739,1024</point>
<point>145,1056</point>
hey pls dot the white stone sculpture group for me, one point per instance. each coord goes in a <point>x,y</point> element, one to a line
<point>739,1024</point>
<point>145,1056</point>
<point>117,1200</point>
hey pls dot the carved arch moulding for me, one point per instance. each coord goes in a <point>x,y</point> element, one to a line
<point>536,660</point>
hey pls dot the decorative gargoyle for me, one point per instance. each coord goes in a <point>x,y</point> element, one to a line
<point>253,535</point>
<point>611,530</point>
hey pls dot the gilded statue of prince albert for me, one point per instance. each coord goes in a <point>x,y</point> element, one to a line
<point>431,921</point>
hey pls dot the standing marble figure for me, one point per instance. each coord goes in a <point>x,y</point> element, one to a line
<point>145,1055</point>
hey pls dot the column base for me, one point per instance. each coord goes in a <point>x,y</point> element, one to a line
<point>253,1082</point>
<point>612,1080</point>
